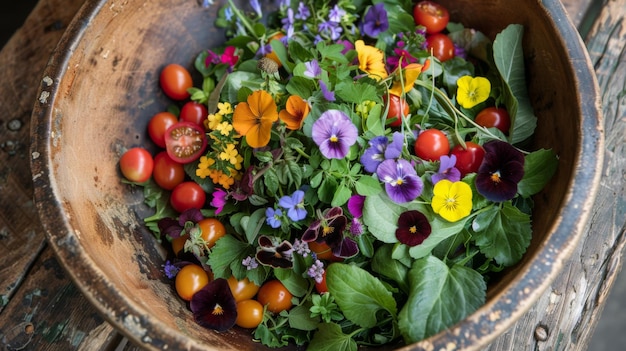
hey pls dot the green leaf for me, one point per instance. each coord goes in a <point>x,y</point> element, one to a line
<point>392,269</point>
<point>270,179</point>
<point>227,254</point>
<point>373,122</point>
<point>439,298</point>
<point>356,92</point>
<point>341,196</point>
<point>327,189</point>
<point>440,231</point>
<point>368,186</point>
<point>509,59</point>
<point>329,337</point>
<point>253,224</point>
<point>539,167</point>
<point>380,215</point>
<point>296,284</point>
<point>300,318</point>
<point>359,294</point>
<point>503,233</point>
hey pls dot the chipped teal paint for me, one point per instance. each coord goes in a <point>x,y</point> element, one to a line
<point>4,300</point>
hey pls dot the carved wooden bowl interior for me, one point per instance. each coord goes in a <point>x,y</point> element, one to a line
<point>101,87</point>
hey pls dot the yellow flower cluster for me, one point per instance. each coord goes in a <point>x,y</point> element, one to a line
<point>222,163</point>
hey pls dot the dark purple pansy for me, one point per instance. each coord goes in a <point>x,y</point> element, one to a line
<point>330,230</point>
<point>501,170</point>
<point>275,253</point>
<point>174,228</point>
<point>214,306</point>
<point>413,228</point>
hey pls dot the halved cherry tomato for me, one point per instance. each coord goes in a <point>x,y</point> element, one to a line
<point>275,296</point>
<point>468,159</point>
<point>175,80</point>
<point>185,142</point>
<point>398,108</point>
<point>193,112</point>
<point>242,289</point>
<point>431,15</point>
<point>158,124</point>
<point>497,117</point>
<point>212,230</point>
<point>441,46</point>
<point>137,164</point>
<point>189,280</point>
<point>187,195</point>
<point>431,144</point>
<point>249,313</point>
<point>167,172</point>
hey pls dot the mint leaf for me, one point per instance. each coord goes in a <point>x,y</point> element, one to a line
<point>359,294</point>
<point>439,297</point>
<point>503,233</point>
<point>509,59</point>
<point>539,167</point>
<point>329,337</point>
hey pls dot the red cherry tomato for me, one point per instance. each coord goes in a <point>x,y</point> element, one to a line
<point>167,172</point>
<point>431,144</point>
<point>157,126</point>
<point>431,15</point>
<point>175,80</point>
<point>275,295</point>
<point>187,195</point>
<point>249,313</point>
<point>441,46</point>
<point>136,165</point>
<point>321,286</point>
<point>494,117</point>
<point>185,142</point>
<point>398,108</point>
<point>193,112</point>
<point>242,289</point>
<point>468,159</point>
<point>212,230</point>
<point>189,280</point>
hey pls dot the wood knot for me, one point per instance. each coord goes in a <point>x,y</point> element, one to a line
<point>541,333</point>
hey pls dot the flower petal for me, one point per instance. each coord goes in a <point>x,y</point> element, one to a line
<point>214,306</point>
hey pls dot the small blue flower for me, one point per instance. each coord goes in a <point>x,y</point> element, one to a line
<point>294,205</point>
<point>303,11</point>
<point>336,13</point>
<point>273,217</point>
<point>328,95</point>
<point>170,270</point>
<point>256,7</point>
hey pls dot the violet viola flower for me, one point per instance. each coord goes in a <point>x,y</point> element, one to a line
<point>214,306</point>
<point>303,11</point>
<point>273,253</point>
<point>334,133</point>
<point>375,154</point>
<point>413,228</point>
<point>256,7</point>
<point>375,21</point>
<point>336,13</point>
<point>394,149</point>
<point>447,170</point>
<point>355,206</point>
<point>328,95</point>
<point>330,229</point>
<point>312,69</point>
<point>347,45</point>
<point>501,170</point>
<point>273,217</point>
<point>294,205</point>
<point>401,181</point>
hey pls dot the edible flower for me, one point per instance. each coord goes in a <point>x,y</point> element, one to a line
<point>275,253</point>
<point>452,200</point>
<point>447,170</point>
<point>214,306</point>
<point>502,169</point>
<point>254,118</point>
<point>375,21</point>
<point>413,228</point>
<point>402,183</point>
<point>295,112</point>
<point>371,60</point>
<point>329,229</point>
<point>334,133</point>
<point>472,91</point>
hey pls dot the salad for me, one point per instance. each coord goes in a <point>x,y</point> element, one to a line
<point>346,174</point>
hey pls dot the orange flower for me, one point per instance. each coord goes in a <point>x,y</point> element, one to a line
<point>295,112</point>
<point>253,119</point>
<point>371,60</point>
<point>409,75</point>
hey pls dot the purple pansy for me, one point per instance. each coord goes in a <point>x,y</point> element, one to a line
<point>328,95</point>
<point>413,228</point>
<point>374,154</point>
<point>175,228</point>
<point>447,170</point>
<point>334,133</point>
<point>214,306</point>
<point>375,21</point>
<point>394,149</point>
<point>294,205</point>
<point>501,170</point>
<point>312,69</point>
<point>401,181</point>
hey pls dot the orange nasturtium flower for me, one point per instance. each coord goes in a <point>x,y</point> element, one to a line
<point>295,112</point>
<point>254,118</point>
<point>409,75</point>
<point>371,60</point>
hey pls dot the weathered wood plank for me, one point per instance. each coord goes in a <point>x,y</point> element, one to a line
<point>21,64</point>
<point>565,317</point>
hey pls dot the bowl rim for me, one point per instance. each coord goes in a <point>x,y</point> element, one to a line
<point>480,327</point>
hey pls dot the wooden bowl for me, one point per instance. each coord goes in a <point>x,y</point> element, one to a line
<point>101,87</point>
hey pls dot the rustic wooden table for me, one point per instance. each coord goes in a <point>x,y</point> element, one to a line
<point>41,309</point>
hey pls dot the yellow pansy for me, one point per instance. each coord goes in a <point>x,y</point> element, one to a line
<point>472,91</point>
<point>371,60</point>
<point>452,200</point>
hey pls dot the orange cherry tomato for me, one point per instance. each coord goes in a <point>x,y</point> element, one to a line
<point>189,280</point>
<point>242,289</point>
<point>275,296</point>
<point>249,313</point>
<point>178,244</point>
<point>175,80</point>
<point>212,229</point>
